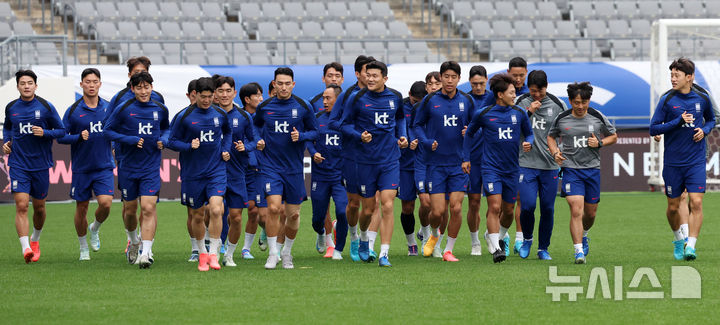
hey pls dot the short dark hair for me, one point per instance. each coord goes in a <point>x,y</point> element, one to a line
<point>205,84</point>
<point>418,89</point>
<point>191,85</point>
<point>224,80</point>
<point>271,87</point>
<point>431,75</point>
<point>337,66</point>
<point>22,73</point>
<point>499,83</point>
<point>478,70</point>
<point>537,78</point>
<point>684,65</point>
<point>135,60</point>
<point>141,77</point>
<point>284,71</point>
<point>361,61</point>
<point>517,62</point>
<point>248,90</point>
<point>335,87</point>
<point>583,89</point>
<point>89,71</point>
<point>450,65</point>
<point>377,65</point>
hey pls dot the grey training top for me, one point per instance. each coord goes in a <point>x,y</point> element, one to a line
<point>574,134</point>
<point>539,156</point>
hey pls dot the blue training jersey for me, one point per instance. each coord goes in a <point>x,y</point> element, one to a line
<point>503,128</point>
<point>329,144</point>
<point>317,103</point>
<point>381,114</point>
<point>407,155</point>
<point>522,91</point>
<point>276,119</point>
<point>442,119</point>
<point>242,130</point>
<point>94,153</point>
<point>122,96</point>
<point>473,144</point>
<point>350,146</point>
<point>680,148</point>
<point>130,122</point>
<point>29,152</point>
<point>211,127</point>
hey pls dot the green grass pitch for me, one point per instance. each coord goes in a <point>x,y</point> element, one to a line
<point>631,231</point>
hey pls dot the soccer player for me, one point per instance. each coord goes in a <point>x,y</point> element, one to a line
<point>350,148</point>
<point>203,137</point>
<point>439,124</point>
<point>31,124</point>
<point>251,95</point>
<point>375,118</point>
<point>538,170</point>
<point>332,75</point>
<point>244,141</point>
<point>504,126</point>
<point>517,69</point>
<point>326,152</point>
<point>685,115</point>
<point>132,124</point>
<point>92,161</point>
<point>482,98</point>
<point>582,131</point>
<point>408,191</point>
<point>286,122</point>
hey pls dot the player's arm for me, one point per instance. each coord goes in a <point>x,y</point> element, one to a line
<point>400,125</point>
<point>657,123</point>
<point>251,138</point>
<point>7,128</point>
<point>709,116</point>
<point>56,128</point>
<point>226,144</point>
<point>175,140</point>
<point>527,130</point>
<point>347,125</point>
<point>111,131</point>
<point>609,133</point>
<point>310,127</point>
<point>164,126</point>
<point>259,119</point>
<point>335,121</point>
<point>68,138</point>
<point>419,123</point>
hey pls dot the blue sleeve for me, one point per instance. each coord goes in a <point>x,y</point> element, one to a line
<point>227,136</point>
<point>336,114</point>
<point>348,129</point>
<point>473,126</point>
<point>527,129</point>
<point>310,126</point>
<point>421,119</point>
<point>7,128</point>
<point>174,142</point>
<point>111,134</point>
<point>57,129</point>
<point>310,146</point>
<point>68,138</point>
<point>709,116</point>
<point>165,126</point>
<point>658,125</point>
<point>259,119</point>
<point>251,138</point>
<point>400,125</point>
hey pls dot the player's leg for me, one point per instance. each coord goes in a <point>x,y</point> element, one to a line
<point>22,202</point>
<point>195,249</point>
<point>677,211</point>
<point>509,184</point>
<point>528,190</point>
<point>437,208</point>
<point>103,187</point>
<point>454,224</point>
<point>292,224</point>
<point>695,221</point>
<point>518,226</point>
<point>250,226</point>
<point>38,191</point>
<point>197,211</point>
<point>81,227</point>
<point>353,207</point>
<point>547,193</point>
<point>339,196</point>
<point>320,199</point>
<point>225,228</point>
<point>272,227</point>
<point>577,204</point>
<point>473,214</point>
<point>148,226</point>
<point>437,251</point>
<point>407,195</point>
<point>235,221</point>
<point>374,225</point>
<point>215,209</point>
<point>387,201</point>
<point>494,204</point>
<point>129,189</point>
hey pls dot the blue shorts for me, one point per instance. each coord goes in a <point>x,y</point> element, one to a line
<point>500,183</point>
<point>420,179</point>
<point>407,190</point>
<point>322,191</point>
<point>475,185</point>
<point>197,193</point>
<point>35,183</point>
<point>378,177</point>
<point>236,194</point>
<point>446,179</point>
<point>134,185</point>
<point>678,179</point>
<point>253,183</point>
<point>585,182</point>
<point>290,186</point>
<point>350,176</point>
<point>84,184</point>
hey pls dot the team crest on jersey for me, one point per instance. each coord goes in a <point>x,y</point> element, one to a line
<point>392,104</point>
<point>514,119</point>
<point>421,185</point>
<point>591,128</point>
<point>314,186</point>
<point>697,107</point>
<point>294,112</point>
<point>462,106</point>
<point>491,187</point>
<point>235,122</point>
<point>37,114</point>
<point>216,121</point>
<point>155,115</point>
<point>567,188</point>
<point>522,176</point>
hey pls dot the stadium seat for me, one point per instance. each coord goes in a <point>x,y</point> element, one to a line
<point>217,60</point>
<point>337,11</point>
<point>648,9</point>
<point>505,10</point>
<point>213,11</point>
<point>415,58</point>
<point>502,29</point>
<point>670,9</point>
<point>527,10</point>
<point>191,30</point>
<point>306,59</point>
<point>566,28</point>
<point>581,10</point>
<point>397,48</point>
<point>233,31</point>
<point>640,28</point>
<point>548,10</point>
<point>315,11</point>
<point>481,29</point>
<point>524,29</point>
<point>604,10</point>
<point>190,11</point>
<point>693,9</point>
<point>360,10</point>
<point>626,9</point>
<point>355,30</point>
<point>290,30</point>
<point>259,60</point>
<point>624,49</point>
<point>150,30</point>
<point>382,11</point>
<point>294,11</point>
<point>545,29</point>
<point>127,30</point>
<point>333,30</point>
<point>6,13</point>
<point>195,59</point>
<point>399,29</point>
<point>712,9</point>
<point>149,11</point>
<point>170,11</point>
<point>376,29</point>
<point>311,30</point>
<point>170,30</point>
<point>596,29</point>
<point>462,10</point>
<point>194,49</point>
<point>127,11</point>
<point>484,10</point>
<point>272,11</point>
<point>618,28</point>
